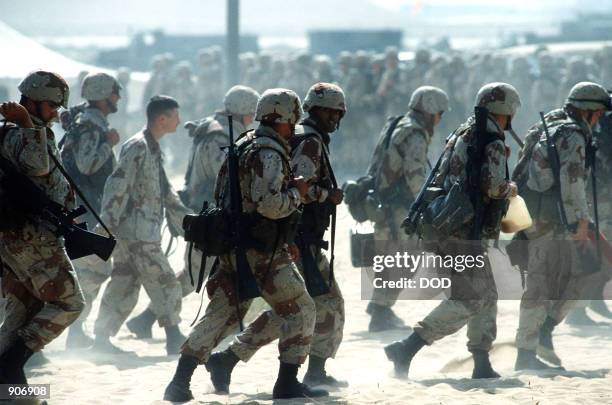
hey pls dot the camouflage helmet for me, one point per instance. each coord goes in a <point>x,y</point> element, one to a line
<point>279,106</point>
<point>99,86</point>
<point>241,100</point>
<point>325,95</point>
<point>429,99</point>
<point>45,86</point>
<point>499,98</point>
<point>589,96</point>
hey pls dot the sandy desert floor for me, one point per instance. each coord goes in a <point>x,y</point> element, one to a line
<point>439,374</point>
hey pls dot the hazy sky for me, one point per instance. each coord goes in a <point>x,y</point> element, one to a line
<point>274,17</point>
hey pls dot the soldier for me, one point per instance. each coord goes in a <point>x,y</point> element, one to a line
<point>545,88</point>
<point>399,171</point>
<point>210,137</point>
<point>87,153</point>
<point>554,280</point>
<point>39,283</point>
<point>390,86</point>
<point>473,298</point>
<point>325,106</point>
<point>269,195</point>
<point>135,197</point>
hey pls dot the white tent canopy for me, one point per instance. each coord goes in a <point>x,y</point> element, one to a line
<point>21,55</point>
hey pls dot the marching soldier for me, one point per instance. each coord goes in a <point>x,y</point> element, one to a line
<point>39,283</point>
<point>556,276</point>
<point>87,153</point>
<point>136,196</point>
<point>399,166</point>
<point>210,137</point>
<point>473,299</point>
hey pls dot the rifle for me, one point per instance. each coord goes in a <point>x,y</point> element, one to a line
<point>555,165</point>
<point>36,203</point>
<point>246,285</point>
<point>475,161</point>
<point>410,223</point>
<point>516,138</point>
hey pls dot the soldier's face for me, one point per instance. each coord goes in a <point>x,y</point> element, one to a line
<point>171,120</point>
<point>48,111</point>
<point>327,118</point>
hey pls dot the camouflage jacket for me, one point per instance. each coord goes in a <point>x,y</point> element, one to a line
<point>138,191</point>
<point>207,155</point>
<point>28,149</point>
<point>604,174</point>
<point>308,161</point>
<point>571,138</point>
<point>404,164</point>
<point>264,176</point>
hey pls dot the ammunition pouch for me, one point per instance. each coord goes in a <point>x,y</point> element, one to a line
<point>355,193</point>
<point>362,248</point>
<point>210,231</point>
<point>518,251</point>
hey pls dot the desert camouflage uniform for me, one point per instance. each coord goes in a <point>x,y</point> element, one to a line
<point>42,292</point>
<point>264,182</point>
<point>553,282</point>
<point>403,168</point>
<point>307,162</point>
<point>86,147</point>
<point>473,299</point>
<point>135,197</point>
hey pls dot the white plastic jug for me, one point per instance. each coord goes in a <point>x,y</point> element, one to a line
<point>517,218</point>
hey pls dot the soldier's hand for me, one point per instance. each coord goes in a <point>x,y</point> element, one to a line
<point>513,190</point>
<point>336,196</point>
<point>294,252</point>
<point>300,185</point>
<point>112,137</point>
<point>16,113</point>
<point>582,231</point>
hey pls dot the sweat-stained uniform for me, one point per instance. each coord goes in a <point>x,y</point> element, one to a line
<point>264,176</point>
<point>473,299</point>
<point>135,197</point>
<point>90,158</point>
<point>42,292</point>
<point>307,161</point>
<point>400,173</point>
<point>554,280</point>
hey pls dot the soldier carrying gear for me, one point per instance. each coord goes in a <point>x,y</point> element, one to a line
<point>34,255</point>
<point>241,100</point>
<point>87,153</point>
<point>479,165</point>
<point>554,171</point>
<point>270,196</point>
<point>399,166</point>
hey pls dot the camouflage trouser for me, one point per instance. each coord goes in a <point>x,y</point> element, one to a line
<point>552,287</point>
<point>473,301</point>
<point>42,292</point>
<point>183,277</point>
<point>281,287</point>
<point>328,329</point>
<point>136,264</point>
<point>92,273</point>
<point>388,296</point>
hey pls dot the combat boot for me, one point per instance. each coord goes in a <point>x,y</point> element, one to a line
<point>142,325</point>
<point>12,362</point>
<point>316,374</point>
<point>102,344</point>
<point>179,388</point>
<point>174,339</point>
<point>600,307</point>
<point>527,360</point>
<point>77,338</point>
<point>383,318</point>
<point>578,317</point>
<point>402,352</point>
<point>546,350</point>
<point>287,386</point>
<point>220,366</point>
<point>482,365</point>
